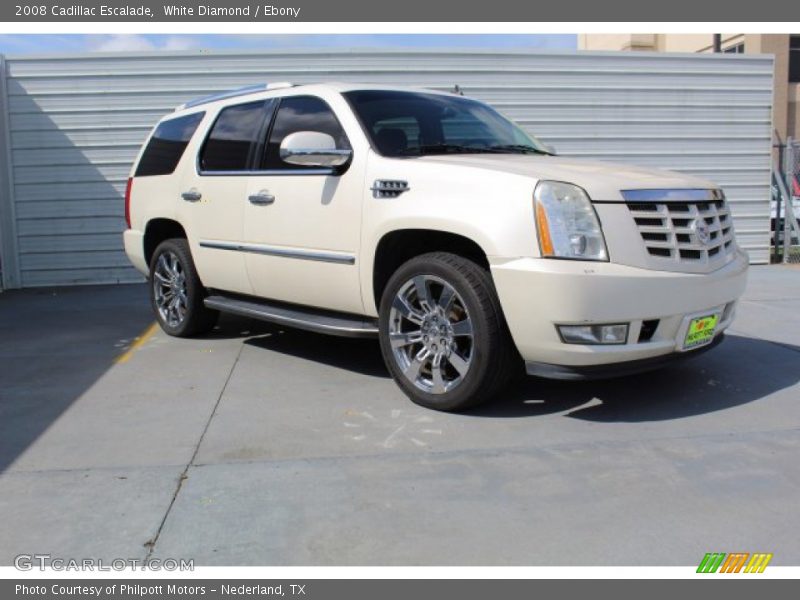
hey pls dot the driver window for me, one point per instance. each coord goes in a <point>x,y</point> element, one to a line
<point>301,113</point>
<point>396,135</point>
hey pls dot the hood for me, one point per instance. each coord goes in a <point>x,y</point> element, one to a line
<point>601,180</point>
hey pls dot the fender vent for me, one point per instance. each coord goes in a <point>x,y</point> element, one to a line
<point>388,188</point>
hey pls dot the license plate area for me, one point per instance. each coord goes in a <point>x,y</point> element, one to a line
<point>700,331</point>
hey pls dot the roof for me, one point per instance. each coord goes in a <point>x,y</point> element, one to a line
<point>257,91</point>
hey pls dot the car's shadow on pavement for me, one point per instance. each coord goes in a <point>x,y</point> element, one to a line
<point>357,355</point>
<point>739,371</point>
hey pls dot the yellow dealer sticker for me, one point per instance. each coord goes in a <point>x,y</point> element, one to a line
<point>701,331</point>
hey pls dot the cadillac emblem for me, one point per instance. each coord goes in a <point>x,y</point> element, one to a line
<point>702,231</point>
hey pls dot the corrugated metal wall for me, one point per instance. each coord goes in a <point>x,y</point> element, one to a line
<point>76,123</point>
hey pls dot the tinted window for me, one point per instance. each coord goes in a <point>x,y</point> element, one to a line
<point>166,145</point>
<point>794,59</point>
<point>385,128</point>
<point>464,128</point>
<point>301,113</point>
<point>414,124</point>
<point>231,143</point>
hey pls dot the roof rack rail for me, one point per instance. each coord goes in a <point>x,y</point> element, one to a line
<point>243,91</point>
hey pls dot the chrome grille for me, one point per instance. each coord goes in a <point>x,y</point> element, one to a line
<point>683,225</point>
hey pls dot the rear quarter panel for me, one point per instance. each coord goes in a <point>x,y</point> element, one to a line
<point>156,196</point>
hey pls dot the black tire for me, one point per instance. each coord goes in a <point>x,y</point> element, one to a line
<point>196,318</point>
<point>493,357</point>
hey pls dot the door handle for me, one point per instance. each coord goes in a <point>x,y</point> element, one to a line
<point>262,198</point>
<point>192,195</point>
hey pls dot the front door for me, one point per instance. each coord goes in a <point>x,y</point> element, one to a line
<point>302,225</point>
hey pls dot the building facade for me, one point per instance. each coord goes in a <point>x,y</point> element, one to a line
<point>785,48</point>
<point>71,125</point>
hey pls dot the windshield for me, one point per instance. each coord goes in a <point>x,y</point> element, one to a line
<point>418,124</point>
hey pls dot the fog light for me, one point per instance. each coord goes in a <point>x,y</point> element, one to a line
<point>594,334</point>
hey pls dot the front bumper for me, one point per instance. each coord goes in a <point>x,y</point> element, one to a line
<point>617,369</point>
<point>536,294</point>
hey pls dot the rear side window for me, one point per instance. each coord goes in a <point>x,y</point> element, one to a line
<point>231,144</point>
<point>166,145</point>
<point>301,113</point>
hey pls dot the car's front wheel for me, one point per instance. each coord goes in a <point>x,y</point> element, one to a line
<point>176,291</point>
<point>442,332</point>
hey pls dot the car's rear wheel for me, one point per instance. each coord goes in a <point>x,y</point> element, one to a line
<point>442,332</point>
<point>176,291</point>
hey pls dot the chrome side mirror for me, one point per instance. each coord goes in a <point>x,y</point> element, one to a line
<point>312,149</point>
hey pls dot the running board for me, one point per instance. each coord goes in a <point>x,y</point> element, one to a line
<point>299,317</point>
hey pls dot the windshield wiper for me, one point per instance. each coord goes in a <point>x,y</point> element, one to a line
<point>450,149</point>
<point>444,148</point>
<point>520,148</point>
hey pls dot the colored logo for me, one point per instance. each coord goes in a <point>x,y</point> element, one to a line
<point>736,562</point>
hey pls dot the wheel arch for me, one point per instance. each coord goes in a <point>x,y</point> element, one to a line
<point>400,245</point>
<point>156,231</point>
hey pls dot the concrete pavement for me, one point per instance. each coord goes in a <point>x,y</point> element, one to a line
<point>256,445</point>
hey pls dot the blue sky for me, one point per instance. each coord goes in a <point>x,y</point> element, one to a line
<point>54,43</point>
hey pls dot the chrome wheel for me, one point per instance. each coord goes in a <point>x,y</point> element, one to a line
<point>431,335</point>
<point>169,289</point>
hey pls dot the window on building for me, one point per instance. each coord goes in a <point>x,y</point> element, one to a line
<point>794,59</point>
<point>735,49</point>
<point>301,113</point>
<point>231,144</point>
<point>166,145</point>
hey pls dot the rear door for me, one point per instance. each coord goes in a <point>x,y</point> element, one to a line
<point>214,194</point>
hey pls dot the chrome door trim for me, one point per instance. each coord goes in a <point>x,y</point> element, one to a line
<point>269,172</point>
<point>316,255</point>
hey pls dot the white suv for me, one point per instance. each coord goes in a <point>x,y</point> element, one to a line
<point>432,222</point>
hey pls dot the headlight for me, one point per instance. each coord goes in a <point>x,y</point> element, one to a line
<point>566,222</point>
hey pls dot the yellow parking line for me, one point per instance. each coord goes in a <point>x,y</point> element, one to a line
<point>138,343</point>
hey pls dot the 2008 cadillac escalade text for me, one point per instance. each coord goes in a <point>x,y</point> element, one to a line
<point>80,10</point>
<point>254,11</point>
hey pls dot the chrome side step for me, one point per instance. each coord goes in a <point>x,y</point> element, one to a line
<point>299,317</point>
